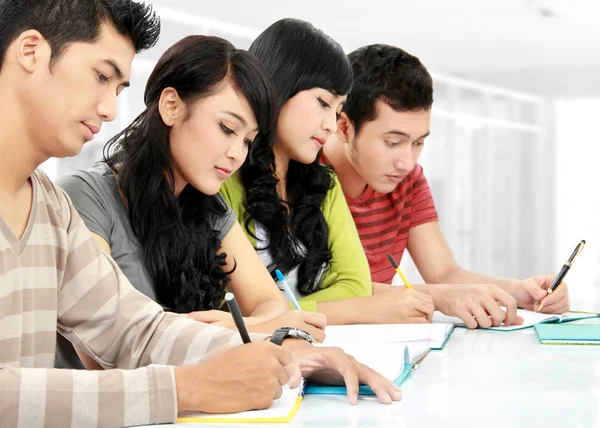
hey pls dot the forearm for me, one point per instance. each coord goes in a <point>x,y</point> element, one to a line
<point>270,309</point>
<point>58,398</point>
<point>458,275</point>
<point>345,311</point>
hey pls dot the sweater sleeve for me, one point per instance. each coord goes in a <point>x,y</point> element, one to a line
<point>100,312</point>
<point>349,275</point>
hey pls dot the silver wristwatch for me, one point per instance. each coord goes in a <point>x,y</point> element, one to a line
<point>290,333</point>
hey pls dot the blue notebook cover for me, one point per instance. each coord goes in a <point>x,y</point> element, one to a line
<point>568,334</point>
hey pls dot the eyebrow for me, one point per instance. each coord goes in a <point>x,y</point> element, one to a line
<point>238,117</point>
<point>117,70</point>
<point>404,134</point>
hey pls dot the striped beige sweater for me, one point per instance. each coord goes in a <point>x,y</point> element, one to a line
<point>56,278</point>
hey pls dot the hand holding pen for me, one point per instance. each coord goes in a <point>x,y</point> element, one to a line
<point>558,279</point>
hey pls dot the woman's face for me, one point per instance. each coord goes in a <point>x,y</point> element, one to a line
<point>305,123</point>
<point>210,139</point>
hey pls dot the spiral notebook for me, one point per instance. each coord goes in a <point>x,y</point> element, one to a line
<point>530,318</point>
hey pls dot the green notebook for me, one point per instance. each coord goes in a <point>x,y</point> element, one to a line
<point>568,334</point>
<point>530,319</point>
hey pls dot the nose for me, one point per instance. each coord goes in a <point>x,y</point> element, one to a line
<point>107,108</point>
<point>405,160</point>
<point>237,150</point>
<point>330,122</point>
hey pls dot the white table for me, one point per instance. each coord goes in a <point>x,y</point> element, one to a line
<point>481,379</point>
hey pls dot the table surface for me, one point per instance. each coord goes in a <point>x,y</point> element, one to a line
<point>481,379</point>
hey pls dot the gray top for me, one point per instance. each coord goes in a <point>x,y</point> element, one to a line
<point>95,195</point>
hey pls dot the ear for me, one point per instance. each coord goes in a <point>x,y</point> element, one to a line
<point>32,50</point>
<point>170,106</point>
<point>345,129</point>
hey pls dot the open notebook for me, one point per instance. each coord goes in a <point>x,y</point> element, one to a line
<point>282,410</point>
<point>392,360</point>
<point>568,334</point>
<point>386,348</point>
<point>530,319</point>
<point>432,336</point>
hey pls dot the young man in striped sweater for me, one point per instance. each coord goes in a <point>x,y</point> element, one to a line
<point>380,136</point>
<point>62,65</point>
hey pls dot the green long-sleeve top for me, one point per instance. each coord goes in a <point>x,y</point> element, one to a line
<point>349,274</point>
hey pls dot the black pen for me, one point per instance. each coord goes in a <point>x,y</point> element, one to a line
<point>561,275</point>
<point>237,317</point>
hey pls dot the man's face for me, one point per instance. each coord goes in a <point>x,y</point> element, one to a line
<point>67,103</point>
<point>387,148</point>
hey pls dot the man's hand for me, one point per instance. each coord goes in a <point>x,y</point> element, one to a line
<point>478,305</point>
<point>530,293</point>
<point>333,366</point>
<point>395,305</point>
<point>245,377</point>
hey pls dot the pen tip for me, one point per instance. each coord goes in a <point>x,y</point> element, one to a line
<point>583,241</point>
<point>392,261</point>
<point>229,297</point>
<point>279,275</point>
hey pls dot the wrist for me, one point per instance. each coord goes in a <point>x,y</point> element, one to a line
<point>295,344</point>
<point>183,389</point>
<point>511,286</point>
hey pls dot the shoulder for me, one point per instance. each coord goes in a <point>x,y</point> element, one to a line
<point>232,191</point>
<point>334,197</point>
<point>53,198</point>
<point>98,178</point>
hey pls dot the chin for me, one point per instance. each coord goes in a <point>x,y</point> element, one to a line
<point>210,189</point>
<point>307,159</point>
<point>384,188</point>
<point>68,150</point>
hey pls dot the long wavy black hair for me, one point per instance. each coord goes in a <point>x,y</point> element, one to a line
<point>175,233</point>
<point>298,57</point>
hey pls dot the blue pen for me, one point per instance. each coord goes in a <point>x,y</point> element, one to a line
<point>286,290</point>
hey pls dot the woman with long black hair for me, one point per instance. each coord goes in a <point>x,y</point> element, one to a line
<point>153,203</point>
<point>291,206</point>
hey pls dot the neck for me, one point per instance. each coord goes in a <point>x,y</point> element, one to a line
<point>338,155</point>
<point>282,163</point>
<point>19,157</point>
<point>179,184</point>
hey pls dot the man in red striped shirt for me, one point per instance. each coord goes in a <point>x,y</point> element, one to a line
<point>380,135</point>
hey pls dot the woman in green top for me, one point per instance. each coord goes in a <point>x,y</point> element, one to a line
<point>291,207</point>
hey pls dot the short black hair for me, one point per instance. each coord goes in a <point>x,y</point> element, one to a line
<point>390,74</point>
<point>63,22</point>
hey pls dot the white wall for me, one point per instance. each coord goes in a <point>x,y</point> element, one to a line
<point>577,171</point>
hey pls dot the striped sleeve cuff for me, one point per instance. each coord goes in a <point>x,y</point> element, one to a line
<point>163,394</point>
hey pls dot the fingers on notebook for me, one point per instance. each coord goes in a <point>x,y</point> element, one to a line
<point>384,389</point>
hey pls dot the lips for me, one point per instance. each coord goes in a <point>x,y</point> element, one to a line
<point>92,128</point>
<point>396,178</point>
<point>319,141</point>
<point>90,131</point>
<point>224,172</point>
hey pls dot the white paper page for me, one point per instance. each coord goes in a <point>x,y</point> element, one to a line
<point>432,335</point>
<point>385,358</point>
<point>530,318</point>
<point>576,316</point>
<point>279,409</point>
